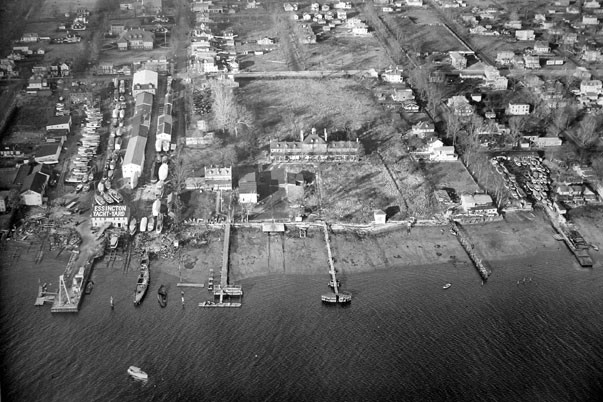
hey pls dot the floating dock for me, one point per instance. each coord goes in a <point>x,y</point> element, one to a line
<point>337,296</point>
<point>463,238</point>
<point>72,286</point>
<point>211,304</point>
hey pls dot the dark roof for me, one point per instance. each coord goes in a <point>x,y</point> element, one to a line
<point>248,187</point>
<point>248,178</point>
<point>49,148</point>
<point>53,120</point>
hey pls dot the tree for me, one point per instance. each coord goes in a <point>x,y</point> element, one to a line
<point>453,125</point>
<point>516,126</point>
<point>228,114</point>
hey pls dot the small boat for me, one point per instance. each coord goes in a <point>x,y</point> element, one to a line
<point>162,296</point>
<point>108,198</point>
<point>116,195</point>
<point>86,187</point>
<point>114,239</point>
<point>446,286</point>
<point>137,373</point>
<point>99,199</point>
<point>151,224</point>
<point>143,224</point>
<point>133,226</point>
<point>89,287</point>
<point>144,278</point>
<point>159,226</point>
<point>79,187</point>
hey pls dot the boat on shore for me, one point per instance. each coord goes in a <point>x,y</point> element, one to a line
<point>99,199</point>
<point>113,240</point>
<point>446,286</point>
<point>137,373</point>
<point>133,225</point>
<point>144,278</point>
<point>159,226</point>
<point>115,195</point>
<point>162,296</point>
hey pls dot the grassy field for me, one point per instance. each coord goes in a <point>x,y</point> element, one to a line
<point>351,192</point>
<point>284,107</point>
<point>345,52</point>
<point>450,175</point>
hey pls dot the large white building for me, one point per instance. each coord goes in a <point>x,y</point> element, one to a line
<point>144,81</point>
<point>134,159</point>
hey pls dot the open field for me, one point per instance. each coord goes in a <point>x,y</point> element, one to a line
<point>352,192</point>
<point>450,175</point>
<point>284,107</point>
<point>334,51</point>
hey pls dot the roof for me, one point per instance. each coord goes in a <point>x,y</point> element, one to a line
<point>48,149</point>
<point>248,187</point>
<point>273,227</point>
<point>35,182</point>
<point>55,120</point>
<point>145,77</point>
<point>135,151</point>
<point>247,178</point>
<point>144,98</point>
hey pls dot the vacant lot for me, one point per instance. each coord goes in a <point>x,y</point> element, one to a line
<point>336,51</point>
<point>284,107</point>
<point>351,192</point>
<point>450,175</point>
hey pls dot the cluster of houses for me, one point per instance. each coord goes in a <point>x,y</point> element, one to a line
<point>209,52</point>
<point>41,73</point>
<point>141,7</point>
<point>79,23</point>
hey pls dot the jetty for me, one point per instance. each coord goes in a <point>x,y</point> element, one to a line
<point>572,239</point>
<point>190,285</point>
<point>477,260</point>
<point>337,296</point>
<point>71,286</point>
<point>224,289</point>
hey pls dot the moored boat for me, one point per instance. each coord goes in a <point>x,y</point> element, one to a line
<point>108,198</point>
<point>446,286</point>
<point>116,195</point>
<point>151,224</point>
<point>144,278</point>
<point>159,226</point>
<point>137,373</point>
<point>162,296</point>
<point>113,240</point>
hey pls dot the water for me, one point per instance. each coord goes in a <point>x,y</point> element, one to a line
<point>402,338</point>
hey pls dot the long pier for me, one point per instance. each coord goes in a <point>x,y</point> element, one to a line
<point>338,296</point>
<point>580,250</point>
<point>224,289</point>
<point>72,286</point>
<point>463,238</point>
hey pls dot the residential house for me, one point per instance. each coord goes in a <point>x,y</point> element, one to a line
<point>531,62</point>
<point>265,41</point>
<point>144,81</point>
<point>505,57</point>
<point>458,60</point>
<point>393,76</point>
<point>518,109</point>
<point>478,204</point>
<point>218,178</point>
<point>126,4</point>
<point>592,56</point>
<point>590,20</point>
<point>290,7</point>
<point>541,47</point>
<point>525,34</point>
<point>588,87</point>
<point>438,152</point>
<point>136,39</point>
<point>591,4</point>
<point>569,38</point>
<point>4,201</point>
<point>248,188</point>
<point>343,5</point>
<point>494,80</point>
<point>414,3</point>
<point>342,15</point>
<point>469,19</point>
<point>48,153</point>
<point>460,105</point>
<point>402,95</point>
<point>315,148</point>
<point>36,82</point>
<point>572,10</point>
<point>379,216</point>
<point>117,29</point>
<point>32,180</point>
<point>514,24</point>
<point>423,129</point>
<point>30,37</point>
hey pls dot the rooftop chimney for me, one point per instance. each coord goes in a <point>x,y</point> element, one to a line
<point>301,135</point>
<point>313,130</point>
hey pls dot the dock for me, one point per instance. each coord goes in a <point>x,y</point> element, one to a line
<point>190,285</point>
<point>337,296</point>
<point>71,286</point>
<point>477,260</point>
<point>572,239</point>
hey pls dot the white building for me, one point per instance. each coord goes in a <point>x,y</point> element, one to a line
<point>134,159</point>
<point>591,87</point>
<point>440,153</point>
<point>478,204</point>
<point>144,81</point>
<point>525,34</point>
<point>518,109</point>
<point>59,123</point>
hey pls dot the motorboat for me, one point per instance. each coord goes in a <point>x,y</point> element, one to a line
<point>108,198</point>
<point>137,373</point>
<point>151,223</point>
<point>144,278</point>
<point>99,199</point>
<point>79,187</point>
<point>162,296</point>
<point>143,224</point>
<point>159,226</point>
<point>113,241</point>
<point>446,286</point>
<point>116,195</point>
<point>133,226</point>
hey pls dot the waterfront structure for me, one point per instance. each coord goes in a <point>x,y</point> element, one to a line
<point>313,147</point>
<point>48,153</point>
<point>32,180</point>
<point>59,123</point>
<point>478,204</point>
<point>134,159</point>
<point>117,215</point>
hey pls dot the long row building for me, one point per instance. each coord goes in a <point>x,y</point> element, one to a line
<point>144,85</point>
<point>163,139</point>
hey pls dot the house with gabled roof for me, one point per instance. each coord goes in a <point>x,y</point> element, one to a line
<point>32,180</point>
<point>460,105</point>
<point>423,129</point>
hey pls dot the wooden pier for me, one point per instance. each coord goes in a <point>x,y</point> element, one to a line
<point>477,260</point>
<point>574,241</point>
<point>338,296</point>
<point>71,286</point>
<point>190,285</point>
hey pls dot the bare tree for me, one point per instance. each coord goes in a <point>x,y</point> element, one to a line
<point>228,114</point>
<point>586,135</point>
<point>516,126</point>
<point>453,125</point>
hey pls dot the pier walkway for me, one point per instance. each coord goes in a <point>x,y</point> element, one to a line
<point>224,289</point>
<point>463,238</point>
<point>338,296</point>
<point>71,286</point>
<point>576,243</point>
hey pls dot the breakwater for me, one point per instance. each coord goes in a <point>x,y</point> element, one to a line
<point>468,246</point>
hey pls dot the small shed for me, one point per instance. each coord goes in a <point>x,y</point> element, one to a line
<point>380,216</point>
